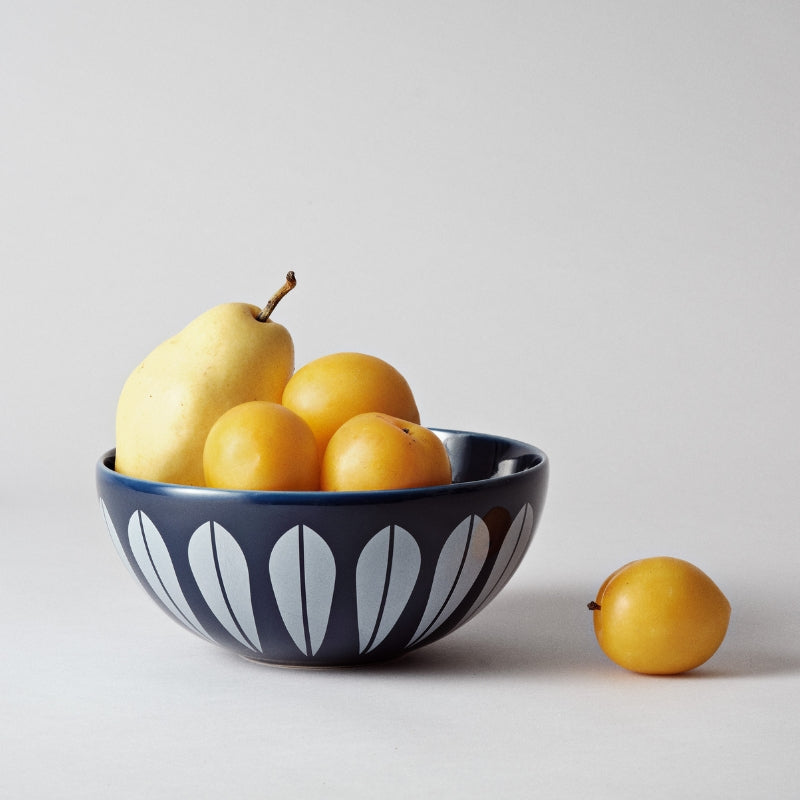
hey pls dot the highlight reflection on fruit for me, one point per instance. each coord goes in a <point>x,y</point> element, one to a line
<point>660,616</point>
<point>376,451</point>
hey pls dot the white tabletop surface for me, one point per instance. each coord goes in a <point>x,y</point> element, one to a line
<point>575,224</point>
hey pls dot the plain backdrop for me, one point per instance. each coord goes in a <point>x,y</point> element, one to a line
<point>573,223</point>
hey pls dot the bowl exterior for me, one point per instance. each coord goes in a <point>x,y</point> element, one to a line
<point>322,580</point>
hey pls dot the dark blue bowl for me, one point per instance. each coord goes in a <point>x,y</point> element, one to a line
<point>331,578</point>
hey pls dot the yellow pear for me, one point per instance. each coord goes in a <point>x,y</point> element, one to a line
<point>229,355</point>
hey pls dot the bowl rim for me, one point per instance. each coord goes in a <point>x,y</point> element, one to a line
<point>541,464</point>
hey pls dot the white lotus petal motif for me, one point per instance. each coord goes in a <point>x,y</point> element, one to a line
<point>220,570</point>
<point>460,561</point>
<point>386,574</point>
<point>302,571</point>
<point>511,553</point>
<point>156,566</point>
<point>115,538</point>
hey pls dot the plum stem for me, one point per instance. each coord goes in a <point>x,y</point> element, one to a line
<point>592,606</point>
<point>287,287</point>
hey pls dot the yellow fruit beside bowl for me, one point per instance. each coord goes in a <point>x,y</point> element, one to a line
<point>660,616</point>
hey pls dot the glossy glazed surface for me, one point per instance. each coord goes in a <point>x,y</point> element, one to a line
<point>317,578</point>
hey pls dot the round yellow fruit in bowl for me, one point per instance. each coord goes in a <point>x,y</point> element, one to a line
<point>375,451</point>
<point>330,390</point>
<point>261,446</point>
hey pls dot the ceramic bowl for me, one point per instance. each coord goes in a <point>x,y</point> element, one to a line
<point>331,578</point>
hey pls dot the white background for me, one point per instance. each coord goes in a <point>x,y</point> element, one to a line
<point>573,223</point>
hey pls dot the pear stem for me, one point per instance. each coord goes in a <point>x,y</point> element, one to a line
<point>287,287</point>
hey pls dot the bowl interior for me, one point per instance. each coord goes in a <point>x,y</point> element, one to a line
<point>474,457</point>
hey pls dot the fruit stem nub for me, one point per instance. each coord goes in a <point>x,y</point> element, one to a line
<point>287,287</point>
<point>592,606</point>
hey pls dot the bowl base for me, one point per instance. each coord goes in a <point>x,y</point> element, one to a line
<point>343,666</point>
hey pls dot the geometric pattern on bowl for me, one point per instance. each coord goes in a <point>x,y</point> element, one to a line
<point>314,578</point>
